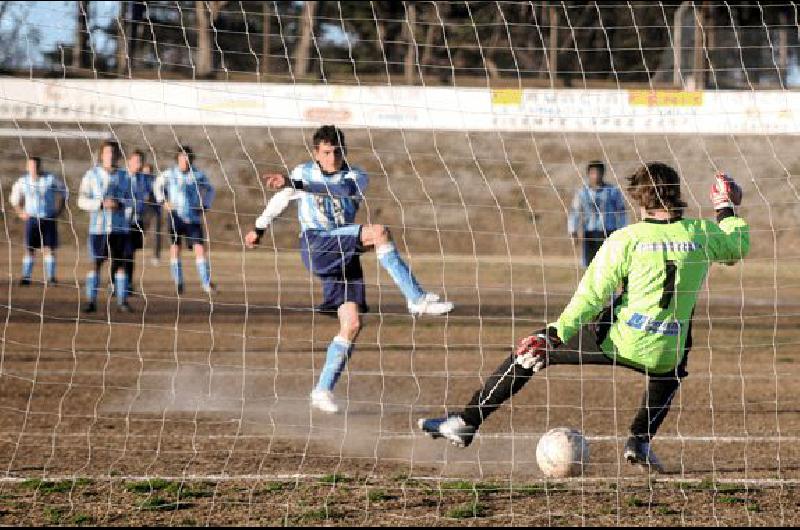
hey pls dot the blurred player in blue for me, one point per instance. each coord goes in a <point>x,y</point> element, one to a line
<point>105,193</point>
<point>598,210</point>
<point>143,197</point>
<point>38,199</point>
<point>329,192</point>
<point>153,215</point>
<point>186,194</point>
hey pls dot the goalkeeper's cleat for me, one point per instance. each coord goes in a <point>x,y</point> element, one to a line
<point>640,454</point>
<point>322,400</point>
<point>430,304</point>
<point>452,428</point>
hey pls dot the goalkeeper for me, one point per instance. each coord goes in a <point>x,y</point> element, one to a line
<point>661,264</point>
<point>329,192</point>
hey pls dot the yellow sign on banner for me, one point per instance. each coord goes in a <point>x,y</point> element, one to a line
<point>664,98</point>
<point>507,97</point>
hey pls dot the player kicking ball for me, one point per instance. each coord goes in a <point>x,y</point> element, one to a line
<point>661,263</point>
<point>329,192</point>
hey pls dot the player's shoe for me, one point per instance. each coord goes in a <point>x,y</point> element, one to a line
<point>210,289</point>
<point>24,282</point>
<point>90,307</point>
<point>639,453</point>
<point>430,305</point>
<point>452,428</point>
<point>124,308</point>
<point>322,400</point>
<point>52,282</point>
<point>179,289</point>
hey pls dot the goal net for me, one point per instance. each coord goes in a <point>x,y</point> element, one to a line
<point>478,125</point>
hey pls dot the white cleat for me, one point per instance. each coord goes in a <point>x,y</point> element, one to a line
<point>430,305</point>
<point>322,400</point>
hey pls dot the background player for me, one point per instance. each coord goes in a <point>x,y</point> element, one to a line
<point>186,194</point>
<point>152,213</point>
<point>142,192</point>
<point>598,209</point>
<point>38,198</point>
<point>330,192</point>
<point>661,263</point>
<point>105,193</point>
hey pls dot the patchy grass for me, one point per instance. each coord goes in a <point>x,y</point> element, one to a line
<point>467,511</point>
<point>728,499</point>
<point>334,478</point>
<point>176,488</point>
<point>157,503</point>
<point>635,502</point>
<point>80,519</point>
<point>53,515</point>
<point>48,487</point>
<point>378,495</point>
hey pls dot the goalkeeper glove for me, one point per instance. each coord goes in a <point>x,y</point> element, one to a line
<point>725,193</point>
<point>532,351</point>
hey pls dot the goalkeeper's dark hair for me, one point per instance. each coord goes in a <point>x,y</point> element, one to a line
<point>330,134</point>
<point>113,145</point>
<point>656,186</point>
<point>185,150</point>
<point>598,165</point>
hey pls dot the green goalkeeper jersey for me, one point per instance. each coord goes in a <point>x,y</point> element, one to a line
<point>661,266</point>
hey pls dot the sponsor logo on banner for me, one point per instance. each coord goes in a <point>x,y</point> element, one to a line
<point>327,115</point>
<point>664,98</point>
<point>507,97</point>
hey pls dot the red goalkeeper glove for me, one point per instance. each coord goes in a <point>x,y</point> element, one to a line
<point>725,193</point>
<point>532,351</point>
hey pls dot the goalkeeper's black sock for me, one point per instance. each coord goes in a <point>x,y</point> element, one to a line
<point>506,381</point>
<point>654,407</point>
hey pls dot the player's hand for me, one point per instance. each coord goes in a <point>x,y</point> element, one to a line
<point>168,206</point>
<point>275,181</point>
<point>110,204</point>
<point>532,351</point>
<point>725,193</point>
<point>23,215</point>
<point>251,239</point>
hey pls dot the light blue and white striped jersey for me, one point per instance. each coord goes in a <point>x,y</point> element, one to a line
<point>143,196</point>
<point>97,185</point>
<point>597,210</point>
<point>40,197</point>
<point>329,201</point>
<point>188,193</point>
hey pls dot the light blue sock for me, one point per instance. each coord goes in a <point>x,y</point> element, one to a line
<point>391,261</point>
<point>50,267</point>
<point>204,271</point>
<point>339,352</point>
<point>176,267</point>
<point>121,287</point>
<point>27,266</point>
<point>91,286</point>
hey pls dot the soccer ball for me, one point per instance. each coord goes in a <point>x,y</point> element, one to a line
<point>562,453</point>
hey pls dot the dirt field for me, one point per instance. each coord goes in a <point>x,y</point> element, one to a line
<point>209,400</point>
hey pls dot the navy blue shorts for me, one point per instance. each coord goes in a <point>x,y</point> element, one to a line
<point>116,246</point>
<point>41,233</point>
<point>192,233</point>
<point>334,257</point>
<point>137,238</point>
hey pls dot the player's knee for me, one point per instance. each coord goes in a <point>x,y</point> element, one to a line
<point>381,234</point>
<point>351,328</point>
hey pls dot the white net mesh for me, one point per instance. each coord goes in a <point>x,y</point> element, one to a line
<point>475,122</point>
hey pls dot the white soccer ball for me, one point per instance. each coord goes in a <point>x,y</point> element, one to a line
<point>562,453</point>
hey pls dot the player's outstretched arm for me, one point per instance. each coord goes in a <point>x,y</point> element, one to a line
<point>732,242</point>
<point>275,207</point>
<point>348,187</point>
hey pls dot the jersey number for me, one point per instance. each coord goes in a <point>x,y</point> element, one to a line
<point>669,285</point>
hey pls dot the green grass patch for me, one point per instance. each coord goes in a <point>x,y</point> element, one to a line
<point>458,485</point>
<point>635,502</point>
<point>80,519</point>
<point>378,495</point>
<point>666,510</point>
<point>157,503</point>
<point>334,478</point>
<point>754,507</point>
<point>530,489</point>
<point>729,499</point>
<point>174,488</point>
<point>467,511</point>
<point>274,487</point>
<point>49,487</point>
<point>53,515</point>
<point>319,514</point>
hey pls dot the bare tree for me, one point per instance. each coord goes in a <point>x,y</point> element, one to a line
<point>303,51</point>
<point>206,14</point>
